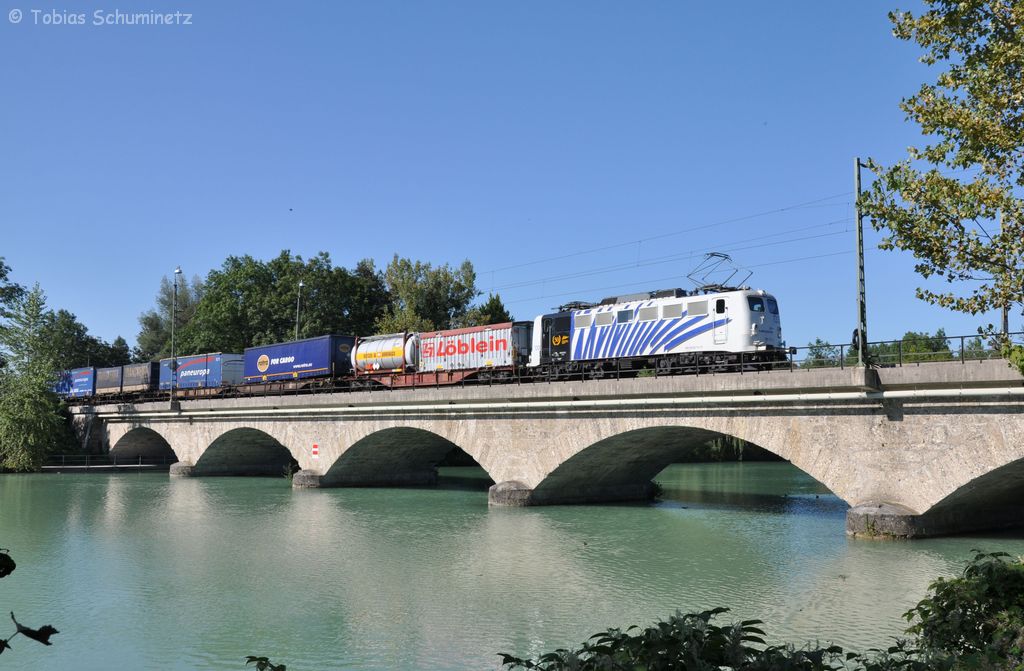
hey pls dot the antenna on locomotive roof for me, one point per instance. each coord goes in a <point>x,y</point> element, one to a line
<point>717,272</point>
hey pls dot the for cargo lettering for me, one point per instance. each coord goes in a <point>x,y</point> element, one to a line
<point>277,361</point>
<point>452,348</point>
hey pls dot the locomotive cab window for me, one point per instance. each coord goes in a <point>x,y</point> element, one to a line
<point>773,306</point>
<point>697,308</point>
<point>624,316</point>
<point>604,319</point>
<point>755,303</point>
<point>720,306</point>
<point>583,321</point>
<point>672,311</point>
<point>647,314</point>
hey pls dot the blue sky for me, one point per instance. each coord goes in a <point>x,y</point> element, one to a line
<point>519,135</point>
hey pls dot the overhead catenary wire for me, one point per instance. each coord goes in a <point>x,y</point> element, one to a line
<point>728,247</point>
<point>723,222</point>
<point>647,283</point>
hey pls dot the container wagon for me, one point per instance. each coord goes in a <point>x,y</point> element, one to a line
<point>140,377</point>
<point>325,356</point>
<point>203,371</point>
<point>108,380</point>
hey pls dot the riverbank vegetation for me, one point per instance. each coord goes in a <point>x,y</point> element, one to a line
<point>974,621</point>
<point>32,420</point>
<point>971,622</point>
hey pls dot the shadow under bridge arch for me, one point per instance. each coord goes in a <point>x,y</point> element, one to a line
<point>245,451</point>
<point>389,457</point>
<point>620,467</point>
<point>142,443</point>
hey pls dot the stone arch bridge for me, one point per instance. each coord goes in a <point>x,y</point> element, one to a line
<point>915,451</point>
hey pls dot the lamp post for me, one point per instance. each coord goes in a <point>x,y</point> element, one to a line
<point>298,304</point>
<point>174,355</point>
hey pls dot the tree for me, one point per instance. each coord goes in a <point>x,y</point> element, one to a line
<point>9,291</point>
<point>913,347</point>
<point>154,339</point>
<point>493,311</point>
<point>973,117</point>
<point>31,422</point>
<point>74,347</point>
<point>425,298</point>
<point>820,354</point>
<point>251,302</point>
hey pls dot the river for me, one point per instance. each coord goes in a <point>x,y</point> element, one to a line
<point>139,571</point>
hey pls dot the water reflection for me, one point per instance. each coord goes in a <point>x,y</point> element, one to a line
<point>141,571</point>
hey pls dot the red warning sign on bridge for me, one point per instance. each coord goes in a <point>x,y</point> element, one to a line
<point>316,451</point>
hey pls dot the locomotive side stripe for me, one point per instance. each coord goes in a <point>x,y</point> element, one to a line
<point>588,352</point>
<point>641,337</point>
<point>634,334</point>
<point>601,335</point>
<point>577,345</point>
<point>656,335</point>
<point>660,343</point>
<point>613,346</point>
<point>695,332</point>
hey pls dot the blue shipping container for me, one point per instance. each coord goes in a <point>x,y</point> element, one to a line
<point>83,382</point>
<point>313,357</point>
<point>200,371</point>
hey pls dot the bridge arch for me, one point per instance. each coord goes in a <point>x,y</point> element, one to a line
<point>245,451</point>
<point>996,496</point>
<point>621,466</point>
<point>391,456</point>
<point>142,442</point>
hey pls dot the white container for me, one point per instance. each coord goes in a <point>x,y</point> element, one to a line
<point>467,349</point>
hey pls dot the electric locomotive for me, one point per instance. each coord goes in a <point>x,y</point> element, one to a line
<point>669,331</point>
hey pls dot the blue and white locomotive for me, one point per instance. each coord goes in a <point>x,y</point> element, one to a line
<point>670,331</point>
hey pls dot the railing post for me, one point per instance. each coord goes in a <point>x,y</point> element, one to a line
<point>899,352</point>
<point>961,349</point>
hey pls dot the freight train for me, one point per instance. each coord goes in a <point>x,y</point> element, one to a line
<point>664,332</point>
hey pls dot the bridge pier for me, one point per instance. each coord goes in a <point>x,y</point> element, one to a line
<point>890,521</point>
<point>407,478</point>
<point>513,493</point>
<point>306,480</point>
<point>182,469</point>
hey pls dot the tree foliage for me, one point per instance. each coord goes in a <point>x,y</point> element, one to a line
<point>492,311</point>
<point>154,339</point>
<point>821,354</point>
<point>425,298</point>
<point>31,422</point>
<point>251,302</point>
<point>973,118</point>
<point>9,291</point>
<point>74,347</point>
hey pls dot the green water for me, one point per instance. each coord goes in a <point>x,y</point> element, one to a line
<point>144,572</point>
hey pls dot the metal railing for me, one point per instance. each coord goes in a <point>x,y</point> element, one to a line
<point>106,461</point>
<point>906,351</point>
